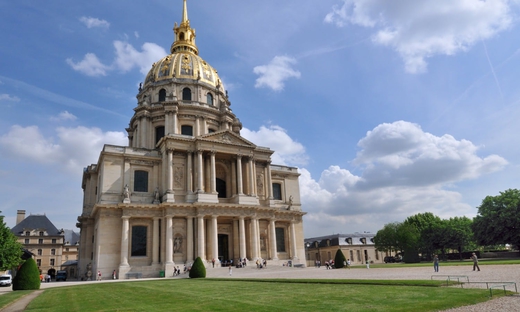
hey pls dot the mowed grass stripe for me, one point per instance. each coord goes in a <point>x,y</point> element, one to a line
<point>236,295</point>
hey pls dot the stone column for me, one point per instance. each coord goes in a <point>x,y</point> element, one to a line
<point>254,238</point>
<point>272,240</point>
<point>201,245</point>
<point>240,188</point>
<point>293,240</point>
<point>189,239</point>
<point>214,237</point>
<point>167,123</point>
<point>155,241</point>
<point>269,181</point>
<point>189,173</point>
<point>124,241</point>
<point>169,240</point>
<point>169,196</point>
<point>251,177</point>
<point>174,123</point>
<point>233,180</point>
<point>212,182</point>
<point>200,166</point>
<point>242,235</point>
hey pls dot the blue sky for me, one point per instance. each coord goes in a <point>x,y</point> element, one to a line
<point>388,108</point>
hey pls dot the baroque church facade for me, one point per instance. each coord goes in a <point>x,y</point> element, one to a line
<point>188,184</point>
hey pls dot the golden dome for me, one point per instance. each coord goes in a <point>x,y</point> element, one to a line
<point>184,61</point>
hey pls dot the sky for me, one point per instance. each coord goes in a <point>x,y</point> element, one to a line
<point>387,108</point>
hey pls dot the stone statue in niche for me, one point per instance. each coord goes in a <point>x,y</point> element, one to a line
<point>290,202</point>
<point>177,244</point>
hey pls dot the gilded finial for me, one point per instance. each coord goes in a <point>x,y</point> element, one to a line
<point>184,35</point>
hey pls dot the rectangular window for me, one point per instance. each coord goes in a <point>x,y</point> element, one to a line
<point>67,249</point>
<point>358,255</point>
<point>26,241</point>
<point>139,241</point>
<point>352,255</point>
<point>159,134</point>
<point>40,241</point>
<point>52,262</point>
<point>39,252</point>
<point>277,191</point>
<point>53,252</point>
<point>141,181</point>
<point>187,130</point>
<point>54,241</point>
<point>39,262</point>
<point>280,239</point>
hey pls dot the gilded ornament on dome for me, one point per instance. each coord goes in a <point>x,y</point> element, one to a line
<point>165,68</point>
<point>186,64</point>
<point>207,71</point>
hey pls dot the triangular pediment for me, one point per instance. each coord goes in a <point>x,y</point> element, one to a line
<point>227,137</point>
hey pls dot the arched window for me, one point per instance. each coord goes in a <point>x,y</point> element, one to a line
<point>181,36</point>
<point>186,94</point>
<point>187,130</point>
<point>209,99</point>
<point>162,95</point>
<point>221,188</point>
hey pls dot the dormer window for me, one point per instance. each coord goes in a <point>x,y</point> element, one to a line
<point>27,233</point>
<point>348,240</point>
<point>363,240</point>
<point>41,233</point>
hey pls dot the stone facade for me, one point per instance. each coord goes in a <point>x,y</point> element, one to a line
<point>358,247</point>
<point>50,247</point>
<point>187,185</point>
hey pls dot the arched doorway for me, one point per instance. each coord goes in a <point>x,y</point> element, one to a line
<point>221,188</point>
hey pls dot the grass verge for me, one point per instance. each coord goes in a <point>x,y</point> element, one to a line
<point>257,295</point>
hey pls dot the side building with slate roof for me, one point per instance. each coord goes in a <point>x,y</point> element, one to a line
<point>39,236</point>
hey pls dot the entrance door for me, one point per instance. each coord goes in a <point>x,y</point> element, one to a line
<point>223,248</point>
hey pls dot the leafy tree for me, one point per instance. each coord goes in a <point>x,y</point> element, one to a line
<point>498,219</point>
<point>10,249</point>
<point>458,235</point>
<point>339,259</point>
<point>408,238</point>
<point>27,277</point>
<point>386,238</point>
<point>198,270</point>
<point>429,227</point>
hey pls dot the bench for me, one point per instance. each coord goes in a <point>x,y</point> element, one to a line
<point>133,274</point>
<point>503,285</point>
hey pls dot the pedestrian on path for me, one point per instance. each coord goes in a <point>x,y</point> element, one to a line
<point>230,270</point>
<point>475,261</point>
<point>436,263</point>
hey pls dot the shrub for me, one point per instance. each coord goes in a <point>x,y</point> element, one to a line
<point>27,277</point>
<point>339,259</point>
<point>198,270</point>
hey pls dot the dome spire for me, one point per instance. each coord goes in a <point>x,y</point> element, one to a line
<point>184,35</point>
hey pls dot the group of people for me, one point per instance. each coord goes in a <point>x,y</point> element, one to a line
<point>46,278</point>
<point>473,257</point>
<point>261,263</point>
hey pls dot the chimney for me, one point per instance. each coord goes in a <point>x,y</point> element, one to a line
<point>20,215</point>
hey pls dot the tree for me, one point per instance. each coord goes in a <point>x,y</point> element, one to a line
<point>458,234</point>
<point>27,277</point>
<point>498,219</point>
<point>198,270</point>
<point>386,238</point>
<point>429,227</point>
<point>10,249</point>
<point>339,259</point>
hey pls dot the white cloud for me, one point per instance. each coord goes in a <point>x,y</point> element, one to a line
<point>90,66</point>
<point>287,151</point>
<point>64,116</point>
<point>73,147</point>
<point>92,22</point>
<point>276,72</point>
<point>9,98</point>
<point>126,58</point>
<point>404,171</point>
<point>421,29</point>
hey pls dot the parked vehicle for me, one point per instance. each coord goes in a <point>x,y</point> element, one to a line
<point>6,280</point>
<point>61,276</point>
<point>389,259</point>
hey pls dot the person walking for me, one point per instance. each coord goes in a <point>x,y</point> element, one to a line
<point>98,275</point>
<point>475,261</point>
<point>436,263</point>
<point>114,274</point>
<point>230,270</point>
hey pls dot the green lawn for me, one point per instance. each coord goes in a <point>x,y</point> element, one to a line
<point>256,295</point>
